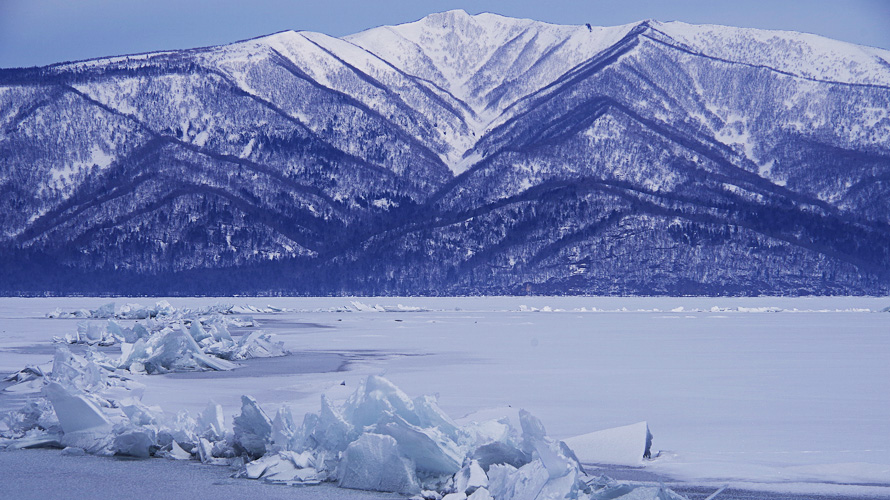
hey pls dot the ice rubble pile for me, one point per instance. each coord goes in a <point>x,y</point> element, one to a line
<point>379,439</point>
<point>356,306</point>
<point>165,347</point>
<point>180,342</point>
<point>80,398</point>
<point>90,405</point>
<point>162,308</point>
<point>382,440</point>
<point>90,333</point>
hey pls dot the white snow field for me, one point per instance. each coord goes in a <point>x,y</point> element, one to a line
<point>776,397</point>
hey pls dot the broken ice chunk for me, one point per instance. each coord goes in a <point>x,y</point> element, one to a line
<point>470,478</point>
<point>220,333</point>
<point>120,332</point>
<point>196,353</point>
<point>430,415</point>
<point>105,311</point>
<point>283,430</point>
<point>83,423</point>
<point>536,442</point>
<point>256,468</point>
<point>136,311</point>
<point>179,428</point>
<point>362,307</point>
<point>211,422</point>
<point>29,372</point>
<point>427,495</point>
<point>213,362</point>
<point>132,353</point>
<point>29,387</point>
<point>174,349</point>
<point>431,451</point>
<point>139,442</point>
<point>138,413</point>
<point>532,428</point>
<point>59,313</point>
<point>34,438</point>
<point>480,494</point>
<point>534,480</point>
<point>36,414</point>
<point>88,333</point>
<point>617,446</point>
<point>140,331</point>
<point>177,453</point>
<point>205,451</point>
<point>75,412</point>
<point>332,431</point>
<point>375,397</point>
<point>373,462</point>
<point>286,472</point>
<point>164,308</point>
<point>500,453</point>
<point>253,429</point>
<point>259,345</point>
<point>197,332</point>
<point>168,350</point>
<point>282,468</point>
<point>505,481</point>
<point>291,468</point>
<point>565,486</point>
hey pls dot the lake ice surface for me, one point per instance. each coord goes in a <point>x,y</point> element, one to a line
<point>769,394</point>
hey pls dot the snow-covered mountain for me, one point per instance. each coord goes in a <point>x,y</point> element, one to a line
<point>455,154</point>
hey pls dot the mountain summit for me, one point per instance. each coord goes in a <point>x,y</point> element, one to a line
<point>458,154</point>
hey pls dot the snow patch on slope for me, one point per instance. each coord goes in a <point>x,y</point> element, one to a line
<point>63,176</point>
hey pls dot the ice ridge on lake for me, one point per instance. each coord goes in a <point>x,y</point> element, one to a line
<point>177,341</point>
<point>378,439</point>
<point>161,308</point>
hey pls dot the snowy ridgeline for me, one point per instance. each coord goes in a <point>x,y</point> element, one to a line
<point>379,439</point>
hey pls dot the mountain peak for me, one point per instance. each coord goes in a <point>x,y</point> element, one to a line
<point>452,14</point>
<point>470,56</point>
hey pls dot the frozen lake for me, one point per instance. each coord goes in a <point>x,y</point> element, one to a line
<point>786,395</point>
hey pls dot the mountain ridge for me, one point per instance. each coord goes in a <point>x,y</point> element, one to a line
<point>500,156</point>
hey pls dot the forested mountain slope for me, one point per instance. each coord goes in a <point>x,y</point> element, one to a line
<point>454,155</point>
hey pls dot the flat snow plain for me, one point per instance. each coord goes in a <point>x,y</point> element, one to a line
<point>785,396</point>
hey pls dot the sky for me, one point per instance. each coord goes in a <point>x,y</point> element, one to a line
<point>40,32</point>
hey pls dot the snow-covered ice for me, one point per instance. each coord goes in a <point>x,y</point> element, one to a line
<point>766,394</point>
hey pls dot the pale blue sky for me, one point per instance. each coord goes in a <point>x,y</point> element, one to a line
<point>39,32</point>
